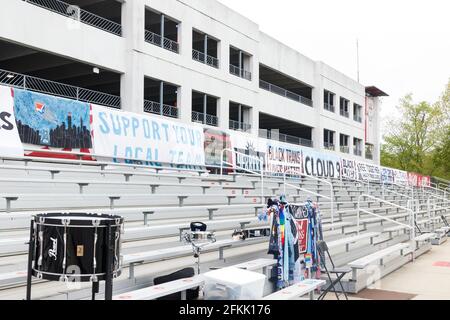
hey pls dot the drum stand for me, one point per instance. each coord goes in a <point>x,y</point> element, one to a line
<point>109,266</point>
<point>30,260</point>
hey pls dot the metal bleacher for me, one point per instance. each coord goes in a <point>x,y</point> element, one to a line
<point>159,203</point>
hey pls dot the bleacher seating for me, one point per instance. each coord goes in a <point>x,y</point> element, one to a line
<point>158,204</point>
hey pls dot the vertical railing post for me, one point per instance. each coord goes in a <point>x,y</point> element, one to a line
<point>357,215</point>
<point>205,103</point>
<point>162,30</point>
<point>332,205</point>
<point>221,163</point>
<point>262,179</point>
<point>161,97</point>
<point>205,47</point>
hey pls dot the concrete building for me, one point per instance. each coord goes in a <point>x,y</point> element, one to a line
<point>191,60</point>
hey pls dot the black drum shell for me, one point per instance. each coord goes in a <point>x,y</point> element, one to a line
<point>79,249</point>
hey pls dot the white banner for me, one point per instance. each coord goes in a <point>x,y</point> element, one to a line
<point>128,136</point>
<point>283,156</point>
<point>248,149</point>
<point>387,175</point>
<point>349,169</point>
<point>400,177</point>
<point>321,164</point>
<point>10,144</point>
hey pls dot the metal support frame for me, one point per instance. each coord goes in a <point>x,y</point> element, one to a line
<point>235,166</point>
<point>298,188</point>
<point>109,261</point>
<point>408,208</point>
<point>161,97</point>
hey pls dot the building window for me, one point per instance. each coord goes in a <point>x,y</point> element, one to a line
<point>240,117</point>
<point>357,112</point>
<point>344,107</point>
<point>328,139</point>
<point>205,49</point>
<point>357,147</point>
<point>343,142</point>
<point>161,98</point>
<point>161,31</point>
<point>240,63</point>
<point>204,109</point>
<point>369,151</point>
<point>328,98</point>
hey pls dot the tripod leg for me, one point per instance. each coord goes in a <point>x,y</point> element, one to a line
<point>95,288</point>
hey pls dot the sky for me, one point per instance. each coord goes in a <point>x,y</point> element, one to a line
<point>404,45</point>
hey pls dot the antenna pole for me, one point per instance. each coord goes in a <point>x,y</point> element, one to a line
<point>357,58</point>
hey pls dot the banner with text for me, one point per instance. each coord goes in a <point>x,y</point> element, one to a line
<point>321,164</point>
<point>283,157</point>
<point>400,177</point>
<point>418,180</point>
<point>10,144</point>
<point>248,150</point>
<point>130,137</point>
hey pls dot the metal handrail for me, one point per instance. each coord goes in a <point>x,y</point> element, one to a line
<point>344,113</point>
<point>329,107</point>
<point>444,200</point>
<point>78,14</point>
<point>264,133</point>
<point>345,149</point>
<point>235,166</point>
<point>165,110</point>
<point>242,73</point>
<point>357,118</point>
<point>431,187</point>
<point>205,118</point>
<point>25,82</point>
<point>204,58</point>
<point>357,152</point>
<point>331,197</point>
<point>159,41</point>
<point>243,126</point>
<point>285,93</point>
<point>329,146</point>
<point>81,155</point>
<point>407,187</point>
<point>412,215</point>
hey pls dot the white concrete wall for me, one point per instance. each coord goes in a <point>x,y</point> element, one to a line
<point>135,59</point>
<point>38,28</point>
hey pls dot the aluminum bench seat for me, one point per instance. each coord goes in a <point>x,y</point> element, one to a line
<point>363,262</point>
<point>297,290</point>
<point>181,285</point>
<point>349,240</point>
<point>162,290</point>
<point>173,252</point>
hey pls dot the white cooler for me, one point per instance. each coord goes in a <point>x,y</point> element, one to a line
<point>233,284</point>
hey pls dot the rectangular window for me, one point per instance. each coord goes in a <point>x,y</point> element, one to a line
<point>328,98</point>
<point>357,112</point>
<point>328,139</point>
<point>343,141</point>
<point>344,107</point>
<point>357,147</point>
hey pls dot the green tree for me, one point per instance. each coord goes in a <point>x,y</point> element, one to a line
<point>419,140</point>
<point>441,156</point>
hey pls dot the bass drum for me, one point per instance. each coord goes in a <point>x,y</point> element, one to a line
<point>73,247</point>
